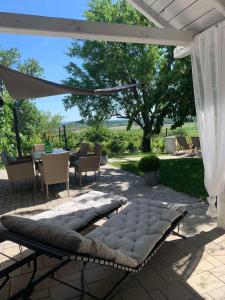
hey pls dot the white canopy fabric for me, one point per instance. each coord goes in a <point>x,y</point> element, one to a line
<point>21,86</point>
<point>208,59</point>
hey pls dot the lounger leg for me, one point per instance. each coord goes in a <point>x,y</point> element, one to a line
<point>179,235</point>
<point>42,185</point>
<point>80,174</point>
<point>34,185</point>
<point>82,282</point>
<point>68,187</point>
<point>12,187</point>
<point>47,192</point>
<point>29,287</point>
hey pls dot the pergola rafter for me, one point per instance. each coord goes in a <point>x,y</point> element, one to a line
<point>70,28</point>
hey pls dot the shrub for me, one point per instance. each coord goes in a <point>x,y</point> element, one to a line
<point>117,143</point>
<point>149,163</point>
<point>158,145</point>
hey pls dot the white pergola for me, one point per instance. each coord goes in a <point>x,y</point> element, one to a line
<point>196,27</point>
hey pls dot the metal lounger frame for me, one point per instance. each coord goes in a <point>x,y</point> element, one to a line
<point>66,257</point>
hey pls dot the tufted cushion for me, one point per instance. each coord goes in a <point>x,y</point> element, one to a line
<point>46,233</point>
<point>81,210</point>
<point>136,229</point>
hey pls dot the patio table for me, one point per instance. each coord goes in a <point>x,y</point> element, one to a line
<point>36,155</point>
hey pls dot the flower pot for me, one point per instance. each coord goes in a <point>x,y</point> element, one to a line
<point>151,178</point>
<point>103,159</point>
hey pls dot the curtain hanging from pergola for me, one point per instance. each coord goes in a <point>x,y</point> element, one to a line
<point>208,59</point>
<point>21,86</point>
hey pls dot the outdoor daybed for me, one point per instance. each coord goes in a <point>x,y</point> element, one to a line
<point>126,241</point>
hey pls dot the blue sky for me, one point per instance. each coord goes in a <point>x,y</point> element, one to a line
<point>49,52</point>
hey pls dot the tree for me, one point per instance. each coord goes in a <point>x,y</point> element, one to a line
<point>164,86</point>
<point>50,122</point>
<point>28,114</point>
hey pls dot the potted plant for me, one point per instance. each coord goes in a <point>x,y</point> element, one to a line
<point>150,166</point>
<point>104,157</point>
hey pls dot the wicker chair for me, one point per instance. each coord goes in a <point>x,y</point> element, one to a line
<point>83,151</point>
<point>182,143</point>
<point>54,168</point>
<point>86,164</point>
<point>39,147</point>
<point>18,170</point>
<point>195,142</point>
<point>98,150</point>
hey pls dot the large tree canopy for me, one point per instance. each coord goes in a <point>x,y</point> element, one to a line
<point>164,85</point>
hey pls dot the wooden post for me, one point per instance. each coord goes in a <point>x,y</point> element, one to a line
<point>16,128</point>
<point>59,136</point>
<point>65,137</point>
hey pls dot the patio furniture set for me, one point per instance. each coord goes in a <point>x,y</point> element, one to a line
<point>126,241</point>
<point>53,167</point>
<point>192,149</point>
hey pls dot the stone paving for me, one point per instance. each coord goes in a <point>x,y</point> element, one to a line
<point>182,269</point>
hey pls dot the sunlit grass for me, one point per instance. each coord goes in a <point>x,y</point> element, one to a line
<point>183,175</point>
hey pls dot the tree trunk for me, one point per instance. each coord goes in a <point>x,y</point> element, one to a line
<point>146,141</point>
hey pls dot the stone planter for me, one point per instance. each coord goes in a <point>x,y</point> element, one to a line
<point>151,178</point>
<point>103,159</point>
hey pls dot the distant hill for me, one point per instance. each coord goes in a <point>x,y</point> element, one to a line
<point>111,123</point>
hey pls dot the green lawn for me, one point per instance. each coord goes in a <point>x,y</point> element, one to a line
<point>183,175</point>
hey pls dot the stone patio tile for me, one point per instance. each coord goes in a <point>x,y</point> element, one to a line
<point>202,266</point>
<point>218,271</point>
<point>218,294</point>
<point>204,297</point>
<point>210,258</point>
<point>204,282</point>
<point>8,263</point>
<point>157,295</point>
<point>29,268</point>
<point>100,288</point>
<point>199,240</point>
<point>62,292</point>
<point>131,282</point>
<point>18,282</point>
<point>219,255</point>
<point>49,262</point>
<point>95,274</point>
<point>155,264</point>
<point>48,282</point>
<point>169,256</point>
<point>42,294</point>
<point>135,293</point>
<point>188,248</point>
<point>150,279</point>
<point>177,291</point>
<point>171,274</point>
<point>222,278</point>
<point>114,274</point>
<point>71,267</point>
<point>5,291</point>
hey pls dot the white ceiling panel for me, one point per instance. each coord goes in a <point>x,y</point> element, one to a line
<point>175,8</point>
<point>196,15</point>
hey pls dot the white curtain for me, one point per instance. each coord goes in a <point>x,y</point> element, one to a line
<point>208,65</point>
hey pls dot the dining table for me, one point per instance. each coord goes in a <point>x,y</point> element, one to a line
<point>36,155</point>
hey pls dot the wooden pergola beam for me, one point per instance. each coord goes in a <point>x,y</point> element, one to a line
<point>70,28</point>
